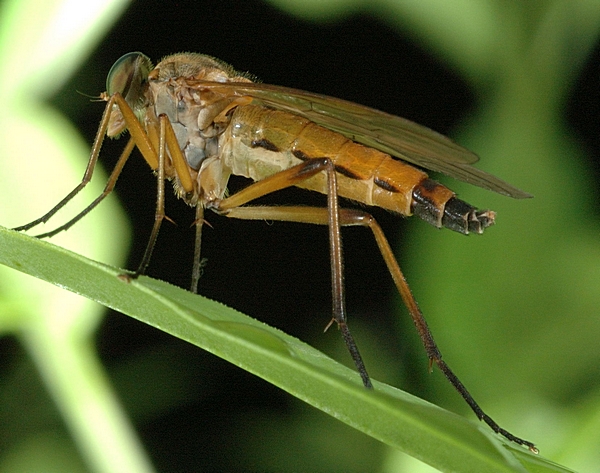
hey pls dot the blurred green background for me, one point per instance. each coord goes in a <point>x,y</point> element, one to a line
<point>515,311</point>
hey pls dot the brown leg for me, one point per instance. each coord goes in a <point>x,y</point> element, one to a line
<point>287,178</point>
<point>350,217</point>
<point>159,213</point>
<point>141,140</point>
<point>87,176</point>
<point>197,267</point>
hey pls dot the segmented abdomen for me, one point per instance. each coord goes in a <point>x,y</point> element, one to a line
<point>261,141</point>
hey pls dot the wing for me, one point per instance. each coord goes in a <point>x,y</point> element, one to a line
<point>393,135</point>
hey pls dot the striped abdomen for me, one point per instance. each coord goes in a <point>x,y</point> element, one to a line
<point>260,141</point>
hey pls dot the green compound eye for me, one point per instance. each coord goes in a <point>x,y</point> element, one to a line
<point>128,76</point>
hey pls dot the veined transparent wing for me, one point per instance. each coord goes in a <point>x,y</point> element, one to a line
<point>394,135</point>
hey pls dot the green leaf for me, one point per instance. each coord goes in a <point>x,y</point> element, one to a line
<point>424,431</point>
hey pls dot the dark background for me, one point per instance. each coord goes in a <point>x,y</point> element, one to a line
<point>183,400</point>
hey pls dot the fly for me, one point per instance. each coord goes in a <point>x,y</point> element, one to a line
<point>197,121</point>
